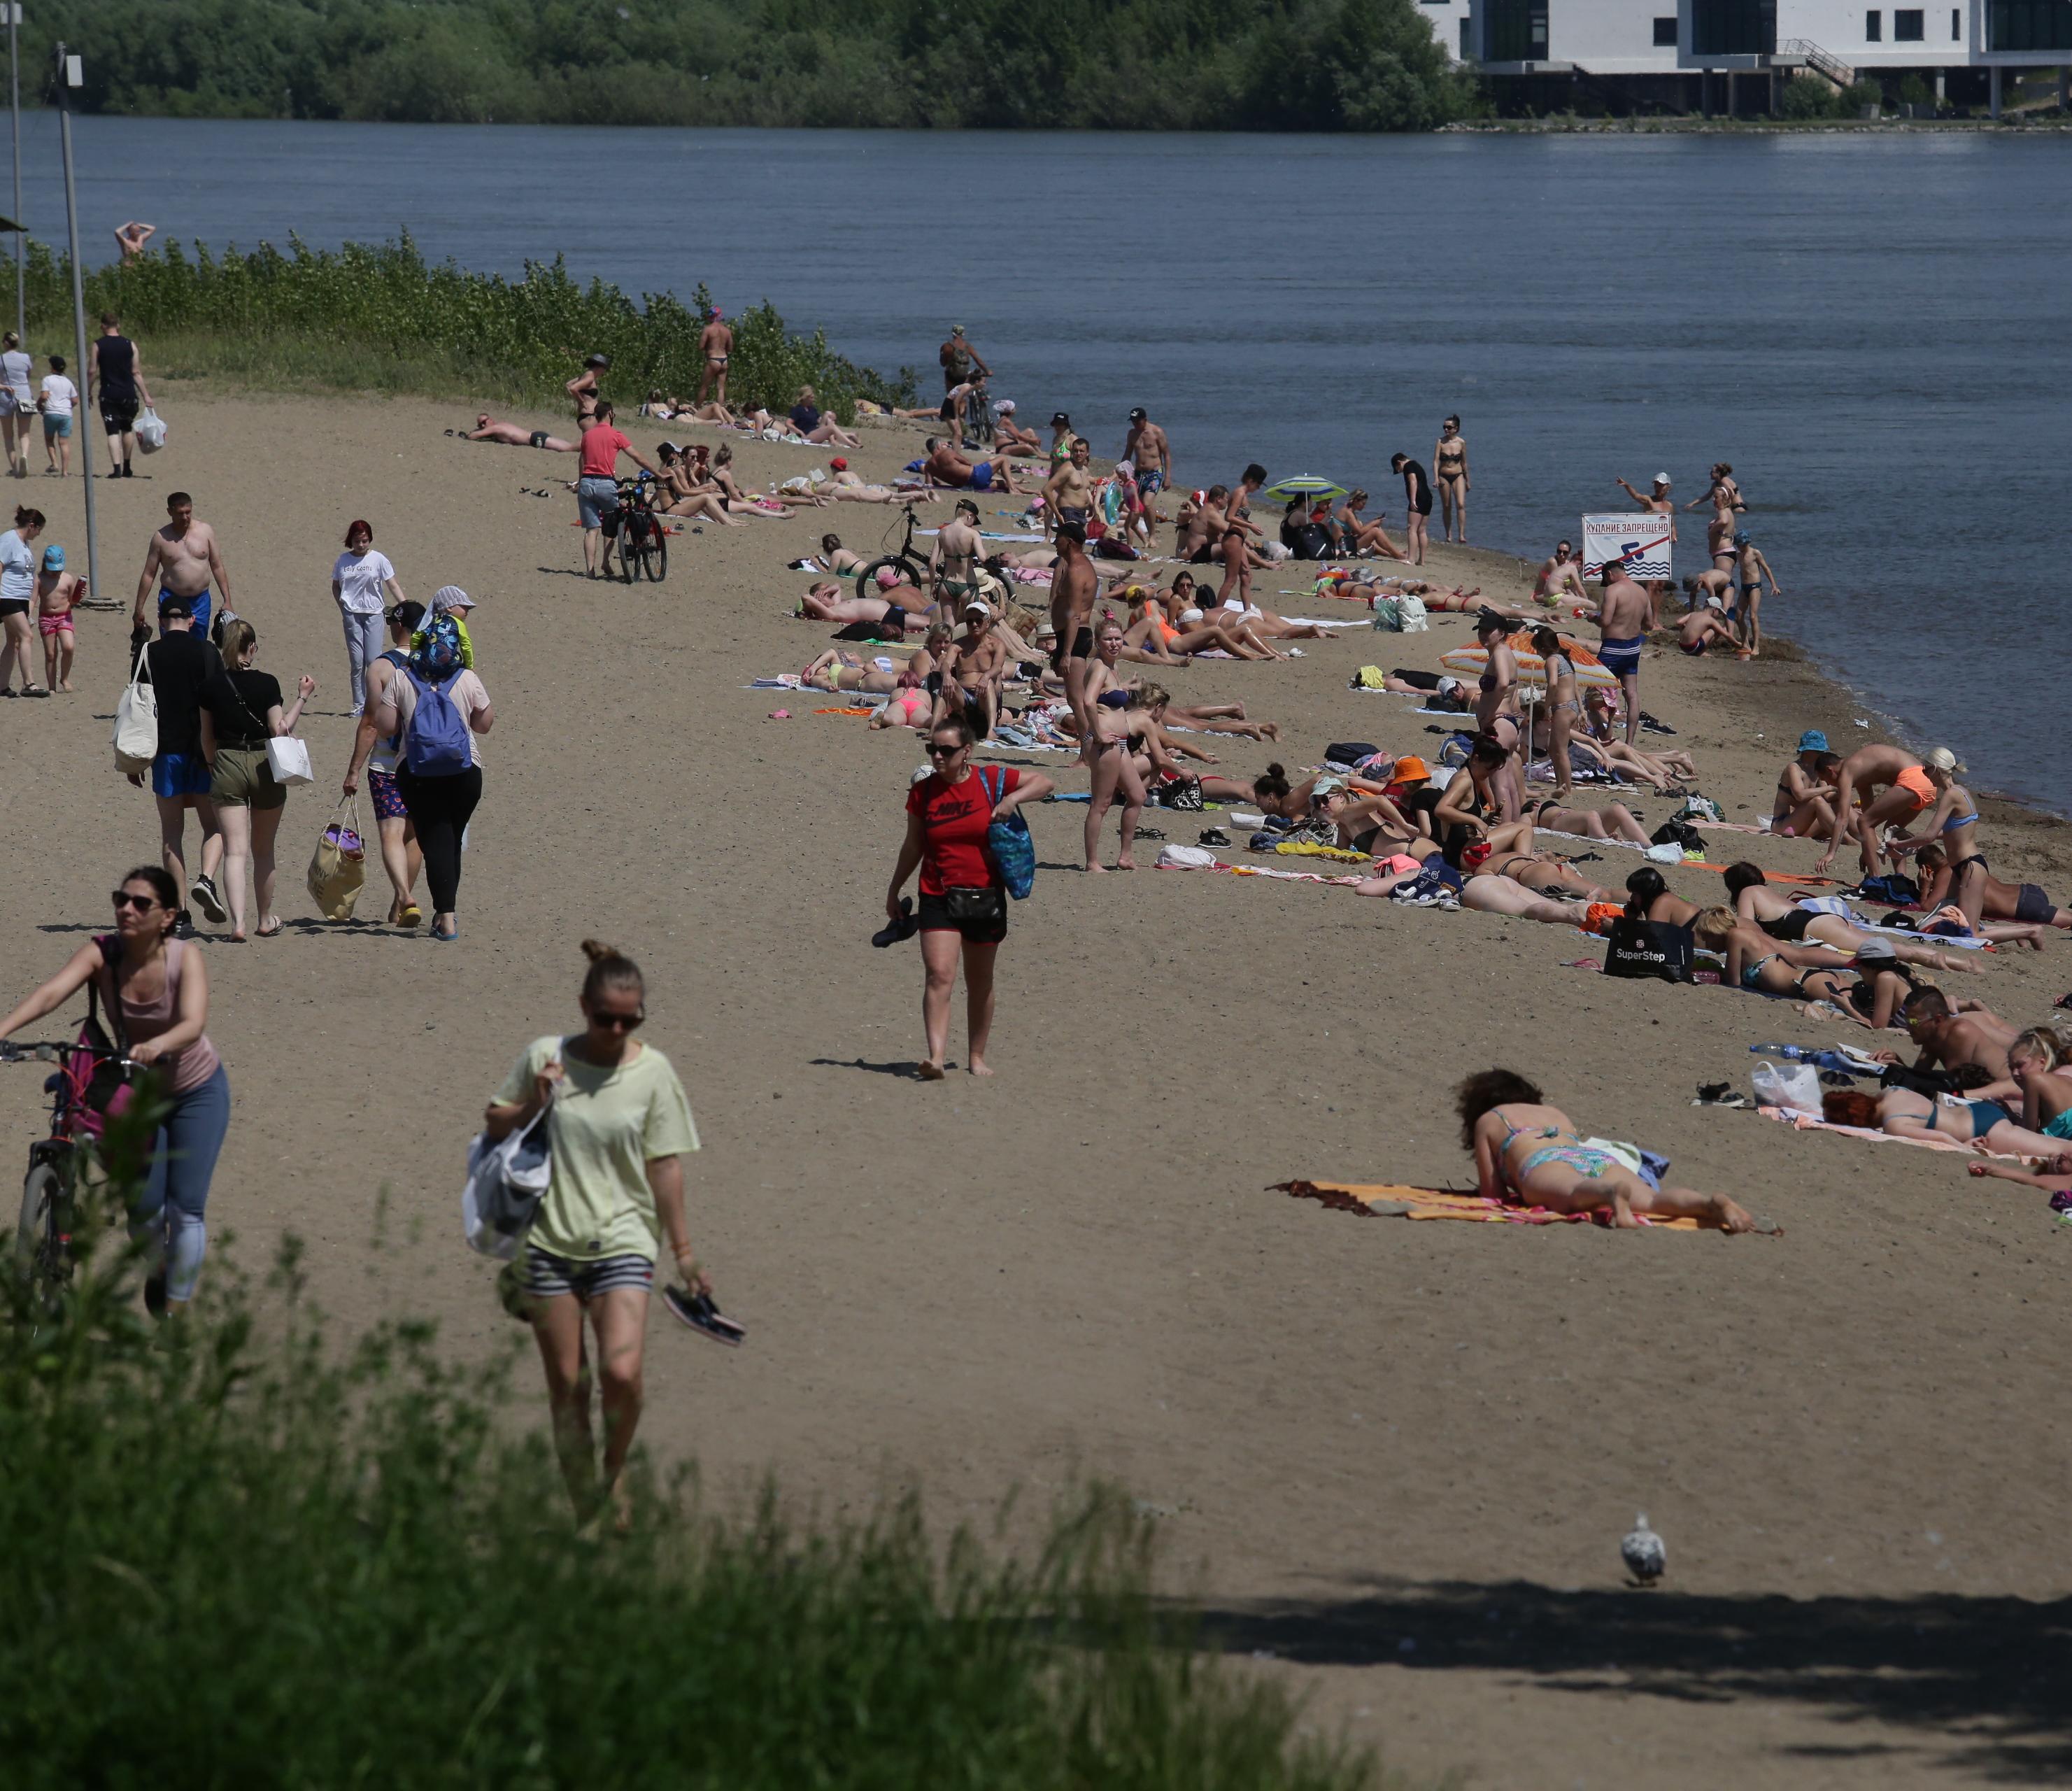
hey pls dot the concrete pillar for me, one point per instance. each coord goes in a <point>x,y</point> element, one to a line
<point>1773,92</point>
<point>1733,109</point>
<point>1705,92</point>
<point>1995,77</point>
<point>2065,89</point>
<point>1939,95</point>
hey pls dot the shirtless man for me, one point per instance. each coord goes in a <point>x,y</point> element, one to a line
<point>487,429</point>
<point>1702,626</point>
<point>716,345</point>
<point>1623,613</point>
<point>1754,570</point>
<point>954,557</point>
<point>132,237</point>
<point>847,486</point>
<point>1146,448</point>
<point>582,390</point>
<point>976,662</point>
<point>183,561</point>
<point>824,603</point>
<point>947,467</point>
<point>1068,493</point>
<point>1949,1040</point>
<point>1198,522</point>
<point>1904,790</point>
<point>1656,502</point>
<point>1559,574</point>
<point>1073,585</point>
<point>1805,791</point>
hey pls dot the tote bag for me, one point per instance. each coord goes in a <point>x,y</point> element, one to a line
<point>136,722</point>
<point>1648,949</point>
<point>338,867</point>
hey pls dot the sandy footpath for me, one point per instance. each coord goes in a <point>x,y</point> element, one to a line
<point>1400,1455</point>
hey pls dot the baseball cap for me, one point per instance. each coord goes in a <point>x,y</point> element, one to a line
<point>1812,740</point>
<point>1881,949</point>
<point>668,448</point>
<point>450,597</point>
<point>1059,420</point>
<point>1138,416</point>
<point>1449,685</point>
<point>409,615</point>
<point>54,558</point>
<point>175,607</point>
<point>839,464</point>
<point>886,577</point>
<point>975,608</point>
<point>1663,478</point>
<point>1714,602</point>
<point>956,329</point>
<point>1741,540</point>
<point>1942,759</point>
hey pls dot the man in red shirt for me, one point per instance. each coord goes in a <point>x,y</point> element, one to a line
<point>597,484</point>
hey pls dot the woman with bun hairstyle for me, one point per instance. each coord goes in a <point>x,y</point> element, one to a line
<point>618,1131</point>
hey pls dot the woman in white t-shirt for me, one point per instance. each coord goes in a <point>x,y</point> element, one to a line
<point>17,402</point>
<point>357,580</point>
<point>59,395</point>
<point>18,590</point>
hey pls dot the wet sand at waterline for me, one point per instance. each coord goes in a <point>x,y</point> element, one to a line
<point>1400,1455</point>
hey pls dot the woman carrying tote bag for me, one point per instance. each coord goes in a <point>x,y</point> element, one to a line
<point>241,719</point>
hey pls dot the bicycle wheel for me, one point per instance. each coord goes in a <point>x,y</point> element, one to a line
<point>629,546</point>
<point>912,570</point>
<point>41,1245</point>
<point>656,554</point>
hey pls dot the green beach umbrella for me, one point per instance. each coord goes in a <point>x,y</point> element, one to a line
<point>1303,485</point>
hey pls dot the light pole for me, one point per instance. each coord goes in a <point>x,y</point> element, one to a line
<point>69,77</point>
<point>14,110</point>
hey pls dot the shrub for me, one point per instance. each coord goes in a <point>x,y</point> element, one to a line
<point>1808,97</point>
<point>1863,93</point>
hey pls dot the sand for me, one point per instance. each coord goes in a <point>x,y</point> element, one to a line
<point>1399,1456</point>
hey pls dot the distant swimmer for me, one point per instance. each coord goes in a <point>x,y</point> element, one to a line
<point>487,429</point>
<point>715,350</point>
<point>132,237</point>
<point>1449,471</point>
<point>1656,502</point>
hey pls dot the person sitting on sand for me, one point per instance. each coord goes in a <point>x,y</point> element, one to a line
<point>1754,900</point>
<point>1702,626</point>
<point>947,467</point>
<point>1528,1154</point>
<point>1768,966</point>
<point>1484,791</point>
<point>819,427</point>
<point>1009,437</point>
<point>1648,897</point>
<point>1875,786</point>
<point>1805,791</point>
<point>684,491</point>
<point>2010,913</point>
<point>974,665</point>
<point>487,429</point>
<point>1361,536</point>
<point>1663,767</point>
<point>1559,576</point>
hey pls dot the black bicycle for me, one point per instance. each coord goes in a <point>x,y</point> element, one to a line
<point>82,1089</point>
<point>908,560</point>
<point>644,540</point>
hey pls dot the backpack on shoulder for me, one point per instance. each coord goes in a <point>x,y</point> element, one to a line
<point>435,739</point>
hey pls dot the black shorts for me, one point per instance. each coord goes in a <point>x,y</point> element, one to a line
<point>935,917</point>
<point>14,607</point>
<point>1082,645</point>
<point>539,437</point>
<point>2032,906</point>
<point>1419,680</point>
<point>1424,504</point>
<point>118,415</point>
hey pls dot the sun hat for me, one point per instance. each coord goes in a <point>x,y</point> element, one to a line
<point>1741,540</point>
<point>1410,769</point>
<point>451,597</point>
<point>1004,406</point>
<point>54,557</point>
<point>1942,759</point>
<point>1812,740</point>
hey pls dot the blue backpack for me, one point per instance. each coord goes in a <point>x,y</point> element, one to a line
<point>435,743</point>
<point>1008,840</point>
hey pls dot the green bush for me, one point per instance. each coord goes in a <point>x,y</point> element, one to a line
<point>1010,64</point>
<point>386,316</point>
<point>1806,97</point>
<point>1864,92</point>
<point>233,1562</point>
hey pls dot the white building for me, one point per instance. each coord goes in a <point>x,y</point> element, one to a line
<point>1561,37</point>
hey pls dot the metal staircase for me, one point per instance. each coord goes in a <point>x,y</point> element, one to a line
<point>1833,67</point>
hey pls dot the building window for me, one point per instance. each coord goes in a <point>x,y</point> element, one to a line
<point>1956,26</point>
<point>1515,31</point>
<point>1467,39</point>
<point>1873,27</point>
<point>2028,25</point>
<point>1908,26</point>
<point>1665,33</point>
<point>1736,27</point>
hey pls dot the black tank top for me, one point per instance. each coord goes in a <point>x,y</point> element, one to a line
<point>116,356</point>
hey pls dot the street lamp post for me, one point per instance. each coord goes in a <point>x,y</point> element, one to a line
<point>69,77</point>
<point>15,112</point>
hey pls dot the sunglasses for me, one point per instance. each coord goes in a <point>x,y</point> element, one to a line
<point>122,899</point>
<point>936,750</point>
<point>617,1022</point>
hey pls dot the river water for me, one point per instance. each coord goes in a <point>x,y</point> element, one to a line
<point>1871,326</point>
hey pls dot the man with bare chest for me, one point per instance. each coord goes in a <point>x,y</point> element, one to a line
<point>1068,494</point>
<point>183,561</point>
<point>716,344</point>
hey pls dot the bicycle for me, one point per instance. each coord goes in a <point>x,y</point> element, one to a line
<point>81,1089</point>
<point>908,560</point>
<point>643,537</point>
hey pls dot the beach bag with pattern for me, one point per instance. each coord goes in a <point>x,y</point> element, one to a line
<point>1013,851</point>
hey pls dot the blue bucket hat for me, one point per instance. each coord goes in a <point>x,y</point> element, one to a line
<point>54,558</point>
<point>435,656</point>
<point>1812,740</point>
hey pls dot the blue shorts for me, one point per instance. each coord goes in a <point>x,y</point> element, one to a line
<point>199,604</point>
<point>596,498</point>
<point>982,476</point>
<point>59,427</point>
<point>179,774</point>
<point>1150,483</point>
<point>1621,658</point>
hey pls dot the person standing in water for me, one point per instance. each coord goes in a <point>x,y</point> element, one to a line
<point>1754,570</point>
<point>1449,467</point>
<point>1657,503</point>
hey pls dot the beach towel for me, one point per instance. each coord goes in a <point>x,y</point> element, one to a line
<point>1397,1200</point>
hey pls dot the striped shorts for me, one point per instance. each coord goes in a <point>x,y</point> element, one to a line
<point>546,1276</point>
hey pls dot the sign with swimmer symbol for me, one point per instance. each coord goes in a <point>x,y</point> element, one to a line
<point>1642,541</point>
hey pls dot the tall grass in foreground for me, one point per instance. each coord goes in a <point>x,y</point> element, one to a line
<point>237,1555</point>
<point>384,317</point>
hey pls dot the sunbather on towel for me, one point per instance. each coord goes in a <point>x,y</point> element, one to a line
<point>1767,966</point>
<point>1783,919</point>
<point>2014,914</point>
<point>1529,1153</point>
<point>1954,1034</point>
<point>1969,1121</point>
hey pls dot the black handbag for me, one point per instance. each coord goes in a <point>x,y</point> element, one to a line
<point>976,904</point>
<point>1648,949</point>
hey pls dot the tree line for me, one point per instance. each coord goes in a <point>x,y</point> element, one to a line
<point>1333,65</point>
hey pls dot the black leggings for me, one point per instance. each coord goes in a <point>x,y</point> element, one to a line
<point>439,808</point>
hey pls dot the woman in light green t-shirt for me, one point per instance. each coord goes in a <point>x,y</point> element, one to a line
<point>618,1131</point>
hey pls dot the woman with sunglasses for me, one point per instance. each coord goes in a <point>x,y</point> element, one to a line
<point>963,900</point>
<point>154,990</point>
<point>620,1129</point>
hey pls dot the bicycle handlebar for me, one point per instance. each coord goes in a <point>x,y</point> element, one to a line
<point>50,1050</point>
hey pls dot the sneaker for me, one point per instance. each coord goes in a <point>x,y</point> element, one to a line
<point>203,889</point>
<point>184,925</point>
<point>155,1295</point>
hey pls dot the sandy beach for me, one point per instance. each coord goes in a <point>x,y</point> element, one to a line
<point>1395,1458</point>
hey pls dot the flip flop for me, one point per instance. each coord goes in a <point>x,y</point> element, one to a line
<point>698,1311</point>
<point>411,916</point>
<point>274,931</point>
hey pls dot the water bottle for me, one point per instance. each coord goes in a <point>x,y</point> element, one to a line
<point>1792,1054</point>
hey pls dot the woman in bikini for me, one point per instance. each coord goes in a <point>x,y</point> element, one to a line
<point>1498,684</point>
<point>1951,823</point>
<point>1768,966</point>
<point>1109,754</point>
<point>1964,1117</point>
<point>1508,852</point>
<point>1199,631</point>
<point>688,494</point>
<point>1449,473</point>
<point>1275,796</point>
<point>1564,707</point>
<point>1528,1154</point>
<point>1784,919</point>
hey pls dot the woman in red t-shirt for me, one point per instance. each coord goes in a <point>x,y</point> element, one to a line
<point>963,902</point>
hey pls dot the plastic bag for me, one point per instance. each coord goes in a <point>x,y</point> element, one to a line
<point>150,431</point>
<point>1794,1087</point>
<point>338,867</point>
<point>1411,607</point>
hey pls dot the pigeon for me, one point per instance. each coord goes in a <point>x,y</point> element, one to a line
<point>1643,1552</point>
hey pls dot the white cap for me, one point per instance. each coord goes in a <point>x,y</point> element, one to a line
<point>975,608</point>
<point>1662,479</point>
<point>1714,602</point>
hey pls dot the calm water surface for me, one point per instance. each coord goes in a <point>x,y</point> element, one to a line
<point>1873,329</point>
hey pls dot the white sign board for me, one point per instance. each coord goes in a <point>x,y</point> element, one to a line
<point>1640,540</point>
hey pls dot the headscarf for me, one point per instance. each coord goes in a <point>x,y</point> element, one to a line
<point>435,654</point>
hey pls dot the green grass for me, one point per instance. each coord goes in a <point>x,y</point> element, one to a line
<point>240,1554</point>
